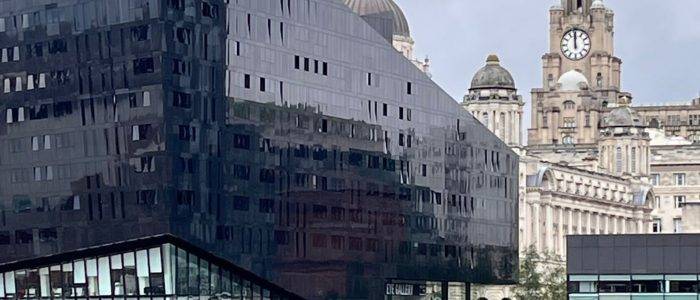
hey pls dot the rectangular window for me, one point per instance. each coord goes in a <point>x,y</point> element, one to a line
<point>325,68</point>
<point>139,33</point>
<point>181,100</point>
<point>241,203</point>
<point>369,79</point>
<point>678,201</point>
<point>680,178</point>
<point>297,62</point>
<point>262,84</point>
<point>655,179</point>
<point>385,109</point>
<point>241,141</point>
<point>143,65</point>
<point>409,88</point>
<point>246,81</point>
<point>306,64</point>
<point>266,206</point>
<point>140,132</point>
<point>400,113</point>
<point>656,225</point>
<point>677,225</point>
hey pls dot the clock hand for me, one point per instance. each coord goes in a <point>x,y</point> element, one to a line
<point>575,41</point>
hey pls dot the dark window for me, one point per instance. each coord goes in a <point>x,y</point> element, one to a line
<point>614,287</point>
<point>246,81</point>
<point>241,141</point>
<point>4,237</point>
<point>48,234</point>
<point>187,165</point>
<point>241,172</point>
<point>146,197</point>
<point>267,206</point>
<point>316,66</point>
<point>183,35</point>
<point>306,64</point>
<point>297,62</point>
<point>369,79</point>
<point>409,88</point>
<point>647,286</point>
<point>267,175</point>
<point>355,159</point>
<point>24,236</point>
<point>262,84</point>
<point>301,151</point>
<point>22,204</point>
<point>143,65</point>
<point>325,68</point>
<point>62,109</point>
<point>181,100</point>
<point>139,33</point>
<point>39,112</point>
<point>241,203</point>
<point>385,109</point>
<point>319,240</point>
<point>282,237</point>
<point>177,4</point>
<point>320,153</point>
<point>320,211</point>
<point>58,46</point>
<point>210,10</point>
<point>683,286</point>
<point>180,67</point>
<point>185,197</point>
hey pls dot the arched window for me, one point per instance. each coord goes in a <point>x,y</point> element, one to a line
<point>599,80</point>
<point>568,104</point>
<point>654,123</point>
<point>618,160</point>
<point>568,140</point>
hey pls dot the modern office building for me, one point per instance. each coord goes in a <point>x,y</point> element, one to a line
<point>283,143</point>
<point>630,267</point>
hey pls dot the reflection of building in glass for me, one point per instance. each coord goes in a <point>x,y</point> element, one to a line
<point>155,266</point>
<point>295,143</point>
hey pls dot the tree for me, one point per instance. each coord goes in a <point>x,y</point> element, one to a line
<point>542,277</point>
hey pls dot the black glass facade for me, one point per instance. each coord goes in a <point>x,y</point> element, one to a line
<point>126,119</point>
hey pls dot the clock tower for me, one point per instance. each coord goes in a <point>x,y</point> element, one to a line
<point>581,75</point>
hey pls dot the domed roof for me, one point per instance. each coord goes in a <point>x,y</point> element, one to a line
<point>598,4</point>
<point>369,7</point>
<point>492,76</point>
<point>622,116</point>
<point>571,81</point>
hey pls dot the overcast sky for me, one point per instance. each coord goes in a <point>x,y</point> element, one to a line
<point>657,40</point>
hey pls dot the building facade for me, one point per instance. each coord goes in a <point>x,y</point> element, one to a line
<point>659,266</point>
<point>285,137</point>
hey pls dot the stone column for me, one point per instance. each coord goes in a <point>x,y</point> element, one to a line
<point>562,235</point>
<point>589,216</point>
<point>548,228</point>
<point>580,222</point>
<point>640,226</point>
<point>537,227</point>
<point>606,219</point>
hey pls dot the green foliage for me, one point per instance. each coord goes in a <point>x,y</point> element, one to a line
<point>542,277</point>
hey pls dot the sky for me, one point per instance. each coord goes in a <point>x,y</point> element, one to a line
<point>657,40</point>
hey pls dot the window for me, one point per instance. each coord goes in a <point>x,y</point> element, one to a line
<point>655,179</point>
<point>139,33</point>
<point>241,141</point>
<point>241,203</point>
<point>266,206</point>
<point>177,4</point>
<point>58,46</point>
<point>409,88</point>
<point>262,84</point>
<point>35,143</point>
<point>47,142</point>
<point>400,113</point>
<point>241,172</point>
<point>140,132</point>
<point>385,109</point>
<point>369,79</point>
<point>634,160</point>
<point>587,120</point>
<point>187,133</point>
<point>210,10</point>
<point>297,62</point>
<point>568,140</point>
<point>568,105</point>
<point>656,225</point>
<point>180,67</point>
<point>325,68</point>
<point>677,225</point>
<point>679,178</point>
<point>678,201</point>
<point>62,108</point>
<point>183,35</point>
<point>246,81</point>
<point>181,100</point>
<point>618,160</point>
<point>306,64</point>
<point>185,197</point>
<point>143,65</point>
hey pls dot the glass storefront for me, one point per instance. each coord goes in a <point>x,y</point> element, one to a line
<point>159,272</point>
<point>430,290</point>
<point>634,287</point>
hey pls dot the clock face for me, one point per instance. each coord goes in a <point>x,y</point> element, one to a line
<point>576,44</point>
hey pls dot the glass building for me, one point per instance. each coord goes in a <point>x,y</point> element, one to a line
<point>154,268</point>
<point>287,137</point>
<point>630,267</point>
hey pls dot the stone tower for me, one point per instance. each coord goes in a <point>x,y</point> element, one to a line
<point>580,75</point>
<point>624,142</point>
<point>494,100</point>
